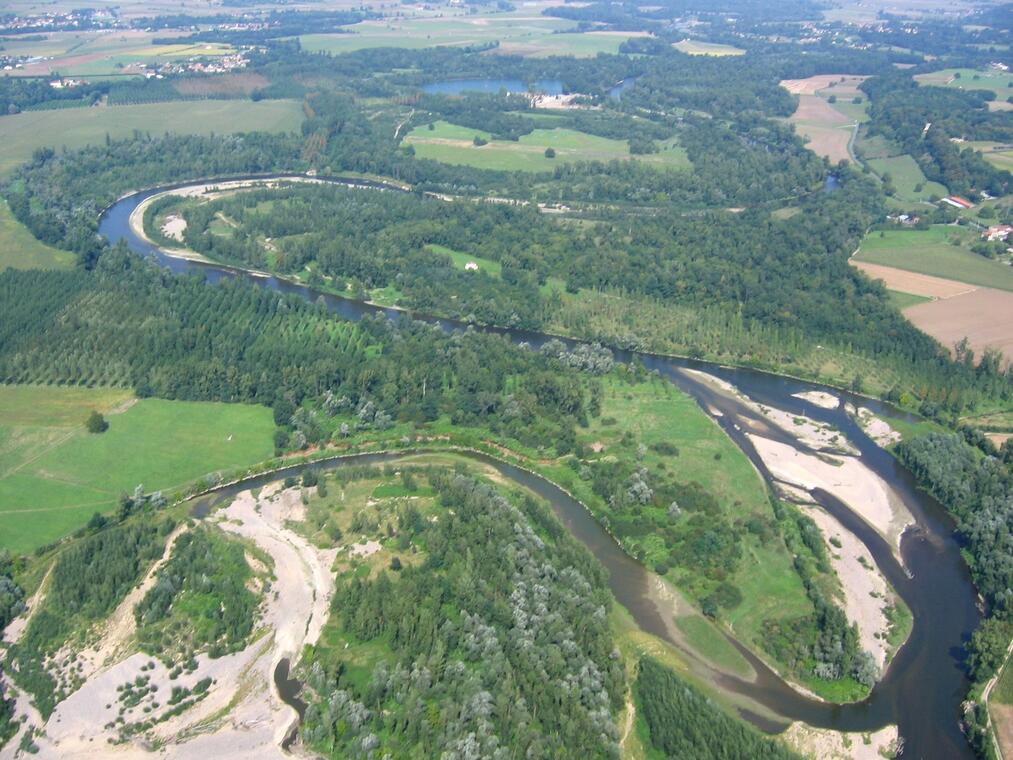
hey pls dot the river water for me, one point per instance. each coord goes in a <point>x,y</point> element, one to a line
<point>924,685</point>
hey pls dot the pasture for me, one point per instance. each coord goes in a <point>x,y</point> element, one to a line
<point>1000,155</point>
<point>932,252</point>
<point>907,177</point>
<point>518,34</point>
<point>100,54</point>
<point>20,249</point>
<point>453,144</point>
<point>999,82</point>
<point>71,128</point>
<point>54,474</point>
<point>698,47</point>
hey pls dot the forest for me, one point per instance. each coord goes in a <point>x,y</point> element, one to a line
<point>497,645</point>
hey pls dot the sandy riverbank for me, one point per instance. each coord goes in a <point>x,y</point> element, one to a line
<point>847,478</point>
<point>835,745</point>
<point>242,716</point>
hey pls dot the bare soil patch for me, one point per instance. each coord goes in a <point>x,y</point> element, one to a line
<point>984,316</point>
<point>914,283</point>
<point>813,109</point>
<point>812,85</point>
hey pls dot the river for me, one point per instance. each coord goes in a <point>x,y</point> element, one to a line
<point>923,687</point>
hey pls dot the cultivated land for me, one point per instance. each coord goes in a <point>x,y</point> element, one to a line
<point>698,47</point>
<point>984,317</point>
<point>22,133</point>
<point>22,250</point>
<point>453,144</point>
<point>523,32</point>
<point>999,155</point>
<point>999,82</point>
<point>54,474</point>
<point>907,178</point>
<point>920,286</point>
<point>828,132</point>
<point>102,54</point>
<point>931,252</point>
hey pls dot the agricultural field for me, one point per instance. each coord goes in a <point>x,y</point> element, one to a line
<point>518,34</point>
<point>22,250</point>
<point>453,144</point>
<point>698,47</point>
<point>999,82</point>
<point>999,155</point>
<point>54,474</point>
<point>102,54</point>
<point>828,132</point>
<point>932,252</point>
<point>22,133</point>
<point>984,316</point>
<point>907,178</point>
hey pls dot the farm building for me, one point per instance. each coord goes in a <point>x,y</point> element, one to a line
<point>957,202</point>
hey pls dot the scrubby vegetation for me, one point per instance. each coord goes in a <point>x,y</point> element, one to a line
<point>202,599</point>
<point>523,661</point>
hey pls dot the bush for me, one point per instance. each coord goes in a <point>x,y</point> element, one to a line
<point>96,423</point>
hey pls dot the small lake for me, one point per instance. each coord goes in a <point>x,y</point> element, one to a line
<point>493,86</point>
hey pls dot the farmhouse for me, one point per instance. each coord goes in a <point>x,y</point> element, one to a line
<point>471,266</point>
<point>957,202</point>
<point>997,232</point>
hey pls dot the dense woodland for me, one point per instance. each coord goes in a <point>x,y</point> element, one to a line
<point>499,642</point>
<point>672,710</point>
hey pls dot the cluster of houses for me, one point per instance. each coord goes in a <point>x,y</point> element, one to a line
<point>997,232</point>
<point>197,65</point>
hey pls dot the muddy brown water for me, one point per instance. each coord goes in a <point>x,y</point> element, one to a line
<point>922,689</point>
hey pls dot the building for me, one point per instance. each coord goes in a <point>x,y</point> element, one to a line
<point>997,232</point>
<point>957,202</point>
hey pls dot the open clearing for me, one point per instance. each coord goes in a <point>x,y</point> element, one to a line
<point>984,317</point>
<point>999,82</point>
<point>22,250</point>
<point>453,144</point>
<point>107,53</point>
<point>912,283</point>
<point>522,33</point>
<point>907,178</point>
<point>932,252</point>
<point>76,127</point>
<point>698,47</point>
<point>54,475</point>
<point>828,129</point>
<point>999,155</point>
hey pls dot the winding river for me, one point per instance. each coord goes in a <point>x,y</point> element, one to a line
<point>923,687</point>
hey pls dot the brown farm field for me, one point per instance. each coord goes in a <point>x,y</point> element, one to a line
<point>827,129</point>
<point>984,316</point>
<point>914,282</point>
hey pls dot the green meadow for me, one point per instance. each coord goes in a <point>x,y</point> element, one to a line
<point>907,177</point>
<point>54,474</point>
<point>999,82</point>
<point>22,250</point>
<point>23,133</point>
<point>453,144</point>
<point>932,252</point>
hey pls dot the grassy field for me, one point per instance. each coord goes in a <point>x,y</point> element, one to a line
<point>907,177</point>
<point>697,47</point>
<point>654,413</point>
<point>453,144</point>
<point>76,127</point>
<point>931,252</point>
<point>999,155</point>
<point>54,474</point>
<point>903,300</point>
<point>999,82</point>
<point>103,54</point>
<point>462,259</point>
<point>21,250</point>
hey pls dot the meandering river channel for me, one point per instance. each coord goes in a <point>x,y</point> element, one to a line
<point>923,687</point>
